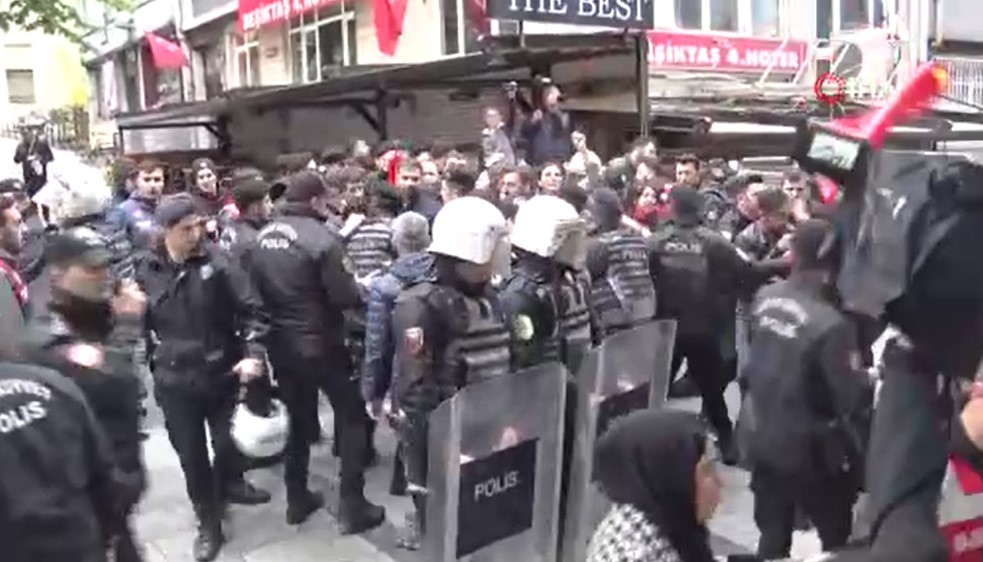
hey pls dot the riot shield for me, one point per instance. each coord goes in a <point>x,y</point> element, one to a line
<point>494,469</point>
<point>629,371</point>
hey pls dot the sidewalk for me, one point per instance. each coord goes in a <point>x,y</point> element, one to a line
<point>165,522</point>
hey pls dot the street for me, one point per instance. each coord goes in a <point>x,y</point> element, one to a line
<point>165,522</point>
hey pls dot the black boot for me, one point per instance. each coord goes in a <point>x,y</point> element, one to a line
<point>358,515</point>
<point>728,449</point>
<point>300,508</point>
<point>244,493</point>
<point>209,539</point>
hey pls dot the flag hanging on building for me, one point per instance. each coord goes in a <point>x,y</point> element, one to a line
<point>388,16</point>
<point>166,54</point>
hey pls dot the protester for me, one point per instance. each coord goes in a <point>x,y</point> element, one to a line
<point>658,469</point>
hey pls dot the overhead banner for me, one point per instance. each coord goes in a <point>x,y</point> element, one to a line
<point>727,53</point>
<point>254,14</point>
<point>634,14</point>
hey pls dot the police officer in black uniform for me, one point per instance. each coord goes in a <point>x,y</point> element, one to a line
<point>306,282</point>
<point>806,387</point>
<point>57,493</point>
<point>622,293</point>
<point>206,327</point>
<point>88,335</point>
<point>454,331</point>
<point>252,199</point>
<point>696,273</point>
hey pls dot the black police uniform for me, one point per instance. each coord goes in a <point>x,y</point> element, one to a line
<point>804,384</point>
<point>306,283</point>
<point>237,237</point>
<point>58,492</point>
<point>112,390</point>
<point>203,317</point>
<point>622,293</point>
<point>449,339</point>
<point>696,274</point>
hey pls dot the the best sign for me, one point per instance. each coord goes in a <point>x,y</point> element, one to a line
<point>636,14</point>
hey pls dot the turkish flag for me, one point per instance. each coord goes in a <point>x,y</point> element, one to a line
<point>477,15</point>
<point>166,54</point>
<point>388,15</point>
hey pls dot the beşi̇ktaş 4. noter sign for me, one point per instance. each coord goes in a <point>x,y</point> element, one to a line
<point>636,14</point>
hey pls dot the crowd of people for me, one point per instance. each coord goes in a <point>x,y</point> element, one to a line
<point>388,279</point>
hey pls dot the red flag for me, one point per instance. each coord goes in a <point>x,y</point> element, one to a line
<point>388,15</point>
<point>166,54</point>
<point>477,16</point>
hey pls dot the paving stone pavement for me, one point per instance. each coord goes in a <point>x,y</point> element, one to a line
<point>165,524</point>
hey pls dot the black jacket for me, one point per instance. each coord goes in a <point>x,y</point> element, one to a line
<point>305,280</point>
<point>203,317</point>
<point>804,377</point>
<point>57,494</point>
<point>111,388</point>
<point>238,236</point>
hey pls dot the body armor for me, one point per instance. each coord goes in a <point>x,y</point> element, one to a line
<point>484,346</point>
<point>370,247</point>
<point>683,279</point>
<point>625,295</point>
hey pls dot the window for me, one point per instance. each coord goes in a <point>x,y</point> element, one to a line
<point>20,86</point>
<point>758,17</point>
<point>852,15</point>
<point>322,42</point>
<point>245,59</point>
<point>765,21</point>
<point>459,19</point>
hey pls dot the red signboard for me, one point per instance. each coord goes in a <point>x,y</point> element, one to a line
<point>699,51</point>
<point>254,14</point>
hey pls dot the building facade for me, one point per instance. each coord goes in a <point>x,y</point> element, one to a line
<point>232,44</point>
<point>38,73</point>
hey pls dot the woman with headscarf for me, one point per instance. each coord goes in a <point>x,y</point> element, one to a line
<point>656,467</point>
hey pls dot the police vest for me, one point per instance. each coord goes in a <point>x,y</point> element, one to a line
<point>683,280</point>
<point>961,512</point>
<point>574,324</point>
<point>484,345</point>
<point>625,296</point>
<point>370,247</point>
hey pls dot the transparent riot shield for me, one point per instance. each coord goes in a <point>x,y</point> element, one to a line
<point>629,371</point>
<point>494,469</point>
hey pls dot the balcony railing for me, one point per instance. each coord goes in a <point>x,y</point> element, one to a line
<point>965,79</point>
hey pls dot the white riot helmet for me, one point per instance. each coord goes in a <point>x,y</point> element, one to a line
<point>551,228</point>
<point>473,230</point>
<point>259,436</point>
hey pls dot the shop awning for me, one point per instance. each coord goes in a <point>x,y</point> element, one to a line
<point>486,68</point>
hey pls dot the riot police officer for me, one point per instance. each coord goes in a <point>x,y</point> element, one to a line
<point>88,335</point>
<point>805,386</point>
<point>622,293</point>
<point>307,283</point>
<point>453,331</point>
<point>546,299</point>
<point>696,274</point>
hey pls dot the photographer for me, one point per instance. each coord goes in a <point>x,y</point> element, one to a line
<point>34,154</point>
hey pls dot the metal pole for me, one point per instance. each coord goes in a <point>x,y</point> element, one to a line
<point>522,35</point>
<point>642,75</point>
